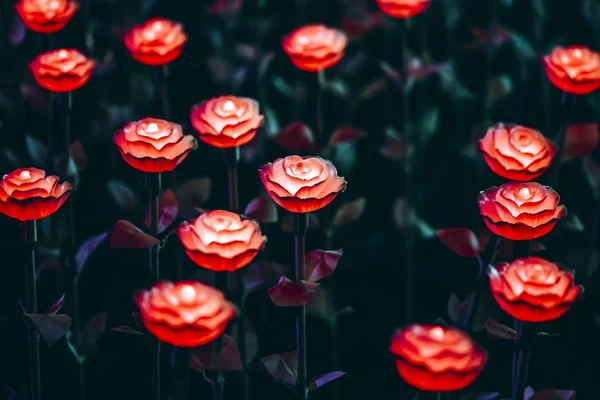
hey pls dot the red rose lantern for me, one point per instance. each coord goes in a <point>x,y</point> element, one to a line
<point>62,70</point>
<point>226,121</point>
<point>157,42</point>
<point>532,289</point>
<point>574,69</point>
<point>520,211</point>
<point>28,194</point>
<point>301,184</point>
<point>221,240</point>
<point>516,152</point>
<point>315,47</point>
<point>153,145</point>
<point>403,8</point>
<point>184,314</point>
<point>435,358</point>
<point>46,16</point>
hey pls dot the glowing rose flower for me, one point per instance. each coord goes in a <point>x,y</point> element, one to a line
<point>574,69</point>
<point>532,289</point>
<point>46,16</point>
<point>301,184</point>
<point>153,145</point>
<point>516,152</point>
<point>403,8</point>
<point>28,194</point>
<point>520,211</point>
<point>315,47</point>
<point>62,70</point>
<point>184,314</point>
<point>226,121</point>
<point>435,358</point>
<point>221,240</point>
<point>157,42</point>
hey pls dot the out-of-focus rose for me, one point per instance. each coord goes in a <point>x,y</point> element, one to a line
<point>46,16</point>
<point>435,358</point>
<point>226,121</point>
<point>403,8</point>
<point>301,184</point>
<point>532,289</point>
<point>28,194</point>
<point>516,152</point>
<point>159,41</point>
<point>62,70</point>
<point>153,145</point>
<point>520,211</point>
<point>221,240</point>
<point>315,47</point>
<point>574,69</point>
<point>184,314</point>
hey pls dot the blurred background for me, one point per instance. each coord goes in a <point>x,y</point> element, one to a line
<point>471,63</point>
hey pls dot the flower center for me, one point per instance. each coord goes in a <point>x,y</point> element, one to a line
<point>437,333</point>
<point>577,53</point>
<point>229,106</point>
<point>524,193</point>
<point>24,175</point>
<point>303,40</point>
<point>521,138</point>
<point>187,294</point>
<point>300,168</point>
<point>220,223</point>
<point>152,128</point>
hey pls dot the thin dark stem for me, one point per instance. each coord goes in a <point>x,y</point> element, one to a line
<point>153,182</point>
<point>181,363</point>
<point>405,127</point>
<point>567,105</point>
<point>522,248</point>
<point>300,226</point>
<point>232,175</point>
<point>67,107</point>
<point>221,282</point>
<point>164,92</point>
<point>243,345</point>
<point>521,374</point>
<point>29,237</point>
<point>232,158</point>
<point>319,110</point>
<point>218,383</point>
<point>527,333</point>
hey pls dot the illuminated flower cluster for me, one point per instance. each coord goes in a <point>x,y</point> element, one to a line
<point>46,16</point>
<point>403,8</point>
<point>62,70</point>
<point>184,314</point>
<point>520,211</point>
<point>153,145</point>
<point>226,121</point>
<point>315,47</point>
<point>28,194</point>
<point>516,152</point>
<point>435,358</point>
<point>157,42</point>
<point>301,184</point>
<point>532,289</point>
<point>574,69</point>
<point>221,240</point>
